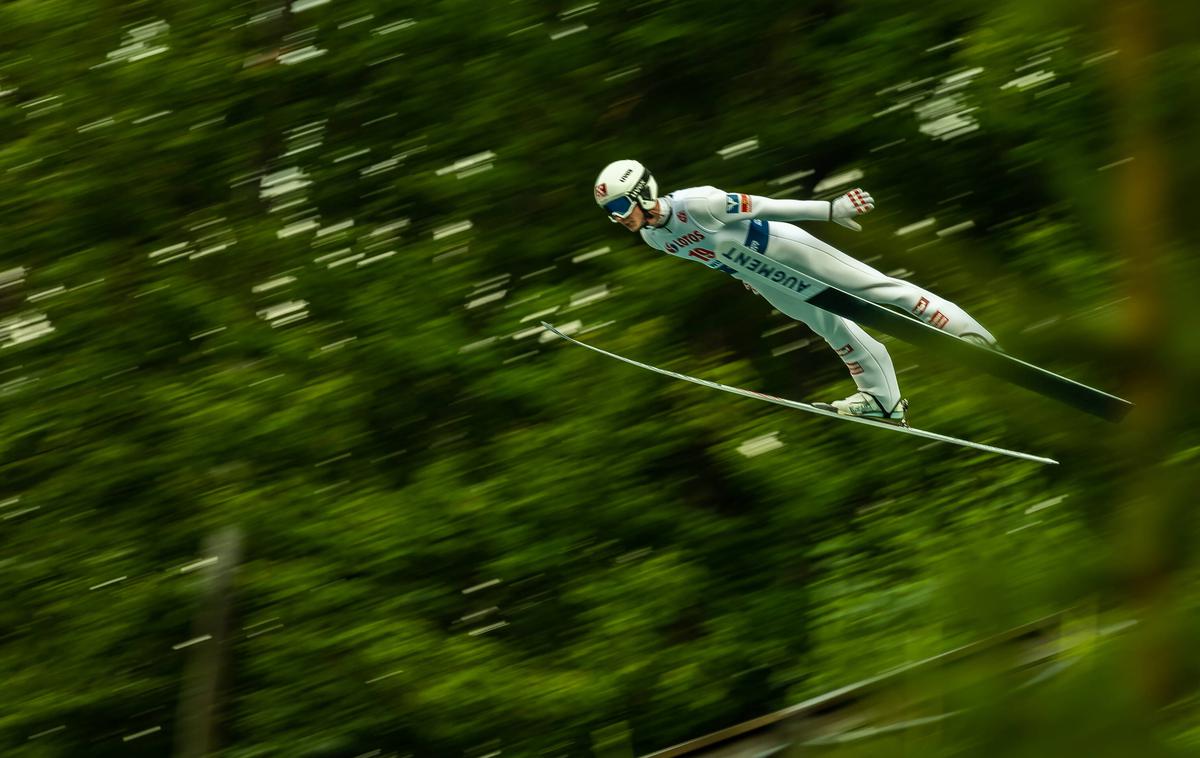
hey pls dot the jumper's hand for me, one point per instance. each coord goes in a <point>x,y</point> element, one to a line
<point>845,208</point>
<point>747,286</point>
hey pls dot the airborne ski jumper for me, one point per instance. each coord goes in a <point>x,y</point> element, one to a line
<point>697,222</point>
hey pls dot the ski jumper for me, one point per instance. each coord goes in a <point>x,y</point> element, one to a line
<point>702,221</point>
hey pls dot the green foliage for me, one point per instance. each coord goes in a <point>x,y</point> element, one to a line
<point>245,225</point>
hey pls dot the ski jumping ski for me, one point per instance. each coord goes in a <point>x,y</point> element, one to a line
<point>808,407</point>
<point>767,273</point>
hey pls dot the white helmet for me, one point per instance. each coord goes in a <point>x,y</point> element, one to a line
<point>623,183</point>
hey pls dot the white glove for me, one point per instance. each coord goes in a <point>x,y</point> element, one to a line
<point>845,208</point>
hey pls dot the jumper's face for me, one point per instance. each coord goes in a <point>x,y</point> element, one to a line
<point>635,220</point>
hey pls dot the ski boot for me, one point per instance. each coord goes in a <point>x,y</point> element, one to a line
<point>866,405</point>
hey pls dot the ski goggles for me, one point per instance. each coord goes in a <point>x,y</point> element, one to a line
<point>619,208</point>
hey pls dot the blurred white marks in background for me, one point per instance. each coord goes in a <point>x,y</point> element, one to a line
<point>273,627</point>
<point>106,121</point>
<point>285,313</point>
<point>395,26</point>
<point>8,515</point>
<point>1114,164</point>
<point>539,272</point>
<point>949,230</point>
<point>591,254</point>
<point>305,137</point>
<point>1100,58</point>
<point>524,29</point>
<point>24,328</point>
<point>197,565</point>
<point>271,284</point>
<point>1045,504</point>
<point>469,166</point>
<point>15,385</point>
<point>594,327</point>
<point>267,15</point>
<point>384,165</point>
<point>337,228</point>
<point>490,284</point>
<point>491,297</point>
<point>1036,79</point>
<point>887,145</point>
<point>339,257</point>
<point>306,53</point>
<point>738,148</point>
<point>372,681</point>
<point>540,314</point>
<point>207,333</point>
<point>1033,523</point>
<point>338,345</point>
<point>298,227</point>
<point>569,328</point>
<point>957,81</point>
<point>447,230</point>
<point>947,114</point>
<point>486,629</point>
<point>152,116</point>
<point>946,118</point>
<point>385,59</point>
<point>389,228</point>
<point>571,14</point>
<point>55,730</point>
<point>568,31</point>
<point>279,183</point>
<point>206,122</point>
<point>170,253</point>
<point>759,445</point>
<point>46,294</point>
<point>944,45</point>
<point>108,583</point>
<point>480,614</point>
<point>919,226</point>
<point>12,277</point>
<point>483,586</point>
<point>478,298</point>
<point>215,238</point>
<point>450,253</point>
<point>42,105</point>
<point>589,296</point>
<point>22,166</point>
<point>353,154</point>
<point>375,258</point>
<point>539,329</point>
<point>521,357</point>
<point>143,733</point>
<point>299,6</point>
<point>836,181</point>
<point>478,345</point>
<point>356,21</point>
<point>140,42</point>
<point>622,73</point>
<point>578,10</point>
<point>189,643</point>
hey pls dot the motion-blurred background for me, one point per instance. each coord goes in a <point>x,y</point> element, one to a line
<point>290,469</point>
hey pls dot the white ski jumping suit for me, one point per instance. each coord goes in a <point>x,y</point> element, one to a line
<point>704,222</point>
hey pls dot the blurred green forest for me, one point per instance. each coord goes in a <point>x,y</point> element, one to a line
<point>280,267</point>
